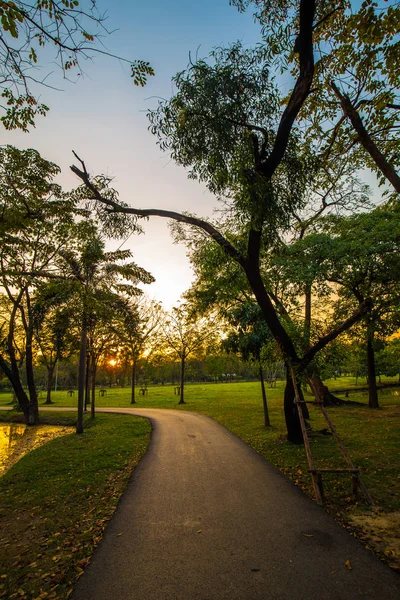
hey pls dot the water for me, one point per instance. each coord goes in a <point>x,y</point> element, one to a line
<point>16,440</point>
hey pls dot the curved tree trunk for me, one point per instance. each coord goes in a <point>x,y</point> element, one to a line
<point>30,411</point>
<point>181,398</point>
<point>133,401</point>
<point>267,422</point>
<point>372,389</point>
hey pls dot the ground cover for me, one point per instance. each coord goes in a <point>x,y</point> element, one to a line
<point>55,502</point>
<point>371,437</point>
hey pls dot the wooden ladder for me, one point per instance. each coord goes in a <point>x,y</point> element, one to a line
<point>316,474</point>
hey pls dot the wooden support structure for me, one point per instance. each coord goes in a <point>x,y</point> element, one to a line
<point>316,473</point>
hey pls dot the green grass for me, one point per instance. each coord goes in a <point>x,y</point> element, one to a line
<point>55,501</point>
<point>370,436</point>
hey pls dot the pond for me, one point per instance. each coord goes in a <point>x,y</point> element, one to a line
<point>16,440</point>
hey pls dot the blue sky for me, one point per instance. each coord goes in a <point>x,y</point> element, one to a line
<point>103,118</point>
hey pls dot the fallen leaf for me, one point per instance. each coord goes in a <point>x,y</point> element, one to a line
<point>308,534</point>
<point>348,564</point>
<point>199,530</point>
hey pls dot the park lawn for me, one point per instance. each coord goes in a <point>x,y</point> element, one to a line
<point>55,502</point>
<point>370,436</point>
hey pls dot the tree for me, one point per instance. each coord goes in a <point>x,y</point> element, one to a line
<point>73,29</point>
<point>251,334</point>
<point>185,336</point>
<point>53,316</point>
<point>354,105</point>
<point>140,324</point>
<point>224,123</point>
<point>361,255</point>
<point>104,279</point>
<point>36,223</point>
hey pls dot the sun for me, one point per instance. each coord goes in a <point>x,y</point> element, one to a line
<point>112,362</point>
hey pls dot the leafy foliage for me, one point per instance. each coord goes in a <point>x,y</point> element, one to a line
<point>74,28</point>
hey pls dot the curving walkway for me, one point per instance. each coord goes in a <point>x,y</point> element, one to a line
<point>204,517</point>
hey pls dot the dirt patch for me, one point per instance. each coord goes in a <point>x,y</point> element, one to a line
<point>381,533</point>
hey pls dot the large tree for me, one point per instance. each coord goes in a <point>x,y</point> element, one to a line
<point>102,279</point>
<point>139,325</point>
<point>185,335</point>
<point>36,223</point>
<point>225,123</point>
<point>360,254</point>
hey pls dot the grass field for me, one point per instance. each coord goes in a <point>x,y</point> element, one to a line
<point>55,501</point>
<point>371,437</point>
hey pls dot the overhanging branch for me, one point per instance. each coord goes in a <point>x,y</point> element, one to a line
<point>114,207</point>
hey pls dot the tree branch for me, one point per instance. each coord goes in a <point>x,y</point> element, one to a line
<point>322,342</point>
<point>301,90</point>
<point>114,207</point>
<point>365,139</point>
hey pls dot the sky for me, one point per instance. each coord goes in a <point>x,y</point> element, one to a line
<point>102,117</point>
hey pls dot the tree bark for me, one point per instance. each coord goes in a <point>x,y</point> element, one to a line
<point>294,433</point>
<point>267,422</point>
<point>307,317</point>
<point>29,358</point>
<point>50,374</point>
<point>321,392</point>
<point>372,389</point>
<point>87,381</point>
<point>30,412</point>
<point>133,401</point>
<point>81,374</point>
<point>181,398</point>
<point>365,139</point>
<point>93,386</point>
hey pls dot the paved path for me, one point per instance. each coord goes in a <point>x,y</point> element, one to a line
<point>204,517</point>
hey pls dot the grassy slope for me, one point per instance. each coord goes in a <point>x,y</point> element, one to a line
<point>56,500</point>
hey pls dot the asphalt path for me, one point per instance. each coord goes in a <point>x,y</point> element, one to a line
<point>204,517</point>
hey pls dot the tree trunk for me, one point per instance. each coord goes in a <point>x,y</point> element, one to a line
<point>87,381</point>
<point>81,375</point>
<point>372,389</point>
<point>93,382</point>
<point>181,398</point>
<point>307,317</point>
<point>294,433</point>
<point>30,411</point>
<point>50,373</point>
<point>264,397</point>
<point>29,355</point>
<point>386,168</point>
<point>133,401</point>
<point>321,392</point>
<point>30,376</point>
